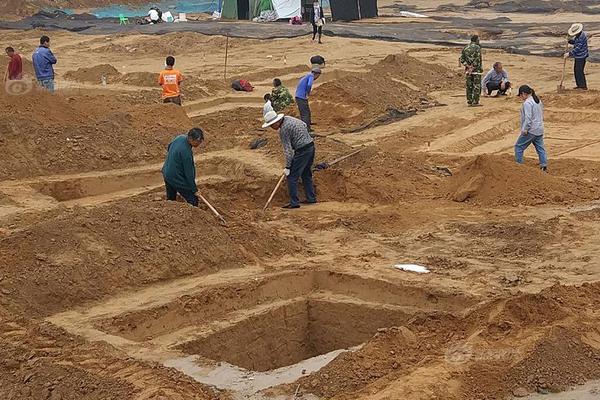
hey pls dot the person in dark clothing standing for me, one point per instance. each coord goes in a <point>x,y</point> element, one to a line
<point>579,52</point>
<point>179,170</point>
<point>303,92</point>
<point>317,19</point>
<point>299,153</point>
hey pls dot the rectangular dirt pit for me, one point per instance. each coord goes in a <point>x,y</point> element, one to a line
<point>294,332</point>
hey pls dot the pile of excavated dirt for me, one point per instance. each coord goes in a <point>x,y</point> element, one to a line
<point>55,134</point>
<point>41,361</point>
<point>497,180</point>
<point>192,88</point>
<point>398,82</point>
<point>91,253</point>
<point>589,100</point>
<point>489,353</point>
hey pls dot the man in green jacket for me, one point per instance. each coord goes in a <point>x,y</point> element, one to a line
<point>280,96</point>
<point>179,170</point>
<point>471,60</point>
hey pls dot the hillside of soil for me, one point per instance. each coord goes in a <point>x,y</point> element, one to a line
<point>498,180</point>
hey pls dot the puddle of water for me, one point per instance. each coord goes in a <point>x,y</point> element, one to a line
<point>244,383</point>
<point>589,391</point>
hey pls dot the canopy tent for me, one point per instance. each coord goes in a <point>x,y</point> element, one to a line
<point>350,10</point>
<point>248,9</point>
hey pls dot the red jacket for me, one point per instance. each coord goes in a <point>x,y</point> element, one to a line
<point>15,68</point>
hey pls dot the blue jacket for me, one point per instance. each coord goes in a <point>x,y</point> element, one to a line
<point>43,61</point>
<point>580,46</point>
<point>305,86</point>
<point>179,169</point>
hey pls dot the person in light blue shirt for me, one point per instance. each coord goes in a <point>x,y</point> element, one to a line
<point>303,92</point>
<point>496,79</point>
<point>580,53</point>
<point>532,127</point>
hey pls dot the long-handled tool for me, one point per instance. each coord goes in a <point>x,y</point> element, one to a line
<point>326,165</point>
<point>560,86</point>
<point>219,216</point>
<point>274,191</point>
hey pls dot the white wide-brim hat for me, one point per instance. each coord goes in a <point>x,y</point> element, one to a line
<point>575,29</point>
<point>272,117</point>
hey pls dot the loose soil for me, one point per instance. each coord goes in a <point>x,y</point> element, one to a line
<point>108,291</point>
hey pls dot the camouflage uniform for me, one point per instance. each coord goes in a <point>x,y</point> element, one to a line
<point>281,98</point>
<point>471,59</point>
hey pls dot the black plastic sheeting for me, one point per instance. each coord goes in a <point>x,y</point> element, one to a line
<point>351,10</point>
<point>344,10</point>
<point>368,8</point>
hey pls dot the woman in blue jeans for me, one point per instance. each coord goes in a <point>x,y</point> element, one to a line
<point>532,126</point>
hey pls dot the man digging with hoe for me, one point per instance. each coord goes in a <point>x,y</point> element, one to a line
<point>299,152</point>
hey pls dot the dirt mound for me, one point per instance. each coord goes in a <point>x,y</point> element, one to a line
<point>192,89</point>
<point>425,76</point>
<point>588,100</point>
<point>359,98</point>
<point>82,133</point>
<point>90,254</point>
<point>497,180</point>
<point>94,74</point>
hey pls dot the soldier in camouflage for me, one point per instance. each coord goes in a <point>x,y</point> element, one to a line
<point>280,96</point>
<point>471,60</point>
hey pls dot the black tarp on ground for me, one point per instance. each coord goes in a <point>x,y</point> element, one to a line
<point>368,8</point>
<point>344,10</point>
<point>351,10</point>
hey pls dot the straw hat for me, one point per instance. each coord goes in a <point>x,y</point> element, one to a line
<point>575,29</point>
<point>271,118</point>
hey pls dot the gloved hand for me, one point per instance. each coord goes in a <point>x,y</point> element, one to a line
<point>286,172</point>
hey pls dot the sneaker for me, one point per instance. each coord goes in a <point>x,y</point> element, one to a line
<point>476,105</point>
<point>290,206</point>
<point>308,202</point>
<point>544,169</point>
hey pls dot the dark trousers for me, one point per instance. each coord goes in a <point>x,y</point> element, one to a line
<point>580,73</point>
<point>174,100</point>
<point>305,114</point>
<point>187,194</point>
<point>317,29</point>
<point>491,86</point>
<point>302,168</point>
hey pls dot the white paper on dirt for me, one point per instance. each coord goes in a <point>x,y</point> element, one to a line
<point>287,8</point>
<point>412,268</point>
<point>409,14</point>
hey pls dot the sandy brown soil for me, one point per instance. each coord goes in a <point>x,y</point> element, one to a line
<point>109,292</point>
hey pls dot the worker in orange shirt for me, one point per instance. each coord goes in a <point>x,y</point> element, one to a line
<point>170,79</point>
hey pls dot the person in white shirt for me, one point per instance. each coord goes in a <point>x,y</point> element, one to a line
<point>154,16</point>
<point>532,127</point>
<point>268,105</point>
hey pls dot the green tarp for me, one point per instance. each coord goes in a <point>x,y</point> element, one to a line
<point>255,7</point>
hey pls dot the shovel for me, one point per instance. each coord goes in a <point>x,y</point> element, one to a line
<point>560,88</point>
<point>326,165</point>
<point>219,216</point>
<point>274,191</point>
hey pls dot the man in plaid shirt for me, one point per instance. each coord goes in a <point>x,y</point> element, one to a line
<point>299,153</point>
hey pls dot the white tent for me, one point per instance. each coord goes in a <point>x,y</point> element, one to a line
<point>287,8</point>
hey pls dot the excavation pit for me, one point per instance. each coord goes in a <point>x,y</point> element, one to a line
<point>296,331</point>
<point>90,186</point>
<point>279,321</point>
